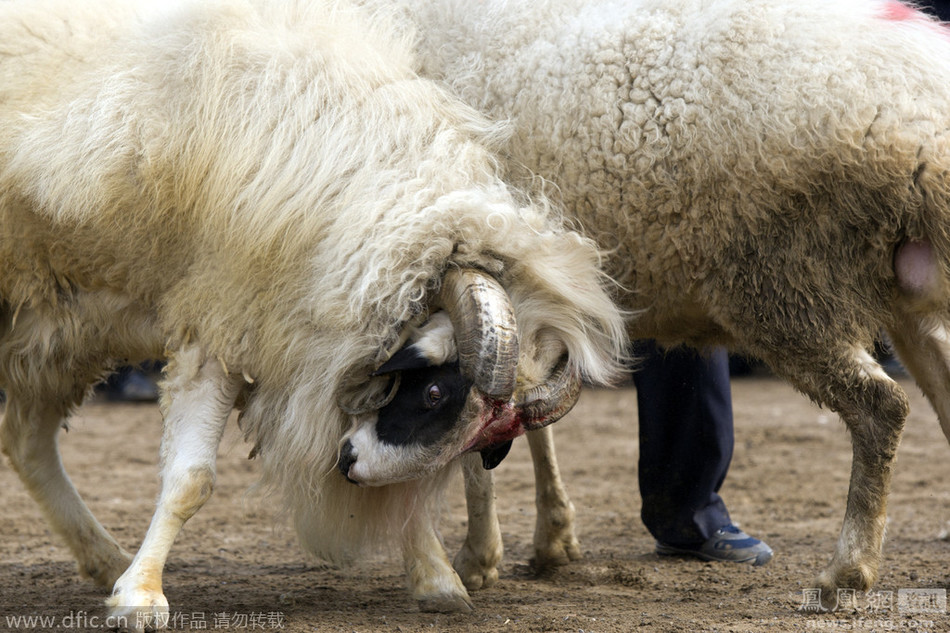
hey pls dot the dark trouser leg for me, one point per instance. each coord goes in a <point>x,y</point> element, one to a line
<point>686,441</point>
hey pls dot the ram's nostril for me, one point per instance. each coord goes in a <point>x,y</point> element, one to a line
<point>347,459</point>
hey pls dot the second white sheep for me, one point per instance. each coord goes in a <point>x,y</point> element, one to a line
<point>765,175</point>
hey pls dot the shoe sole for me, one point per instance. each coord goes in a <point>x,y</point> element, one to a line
<point>756,560</point>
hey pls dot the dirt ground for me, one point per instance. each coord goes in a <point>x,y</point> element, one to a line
<point>236,567</point>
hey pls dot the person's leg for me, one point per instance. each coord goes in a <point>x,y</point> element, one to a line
<point>686,442</point>
<point>131,384</point>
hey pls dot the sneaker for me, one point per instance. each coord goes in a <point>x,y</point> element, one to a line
<point>728,545</point>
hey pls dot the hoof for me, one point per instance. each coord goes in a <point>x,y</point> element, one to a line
<point>850,578</point>
<point>446,604</point>
<point>138,610</point>
<point>556,552</point>
<point>440,591</point>
<point>477,572</point>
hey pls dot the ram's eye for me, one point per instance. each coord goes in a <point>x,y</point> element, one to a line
<point>433,395</point>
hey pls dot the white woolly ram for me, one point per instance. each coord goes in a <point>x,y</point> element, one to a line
<point>264,192</point>
<point>772,176</point>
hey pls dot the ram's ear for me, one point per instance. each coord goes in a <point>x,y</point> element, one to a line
<point>409,357</point>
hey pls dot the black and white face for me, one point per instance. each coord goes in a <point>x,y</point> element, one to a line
<point>427,407</point>
<point>428,416</point>
<point>409,432</point>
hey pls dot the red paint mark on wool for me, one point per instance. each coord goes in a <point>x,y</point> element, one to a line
<point>899,11</point>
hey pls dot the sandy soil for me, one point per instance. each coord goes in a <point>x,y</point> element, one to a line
<point>237,567</point>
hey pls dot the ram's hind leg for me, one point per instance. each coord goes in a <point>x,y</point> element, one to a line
<point>874,408</point>
<point>29,438</point>
<point>923,345</point>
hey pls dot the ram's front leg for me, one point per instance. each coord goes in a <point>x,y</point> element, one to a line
<point>432,581</point>
<point>477,560</point>
<point>555,542</point>
<point>198,398</point>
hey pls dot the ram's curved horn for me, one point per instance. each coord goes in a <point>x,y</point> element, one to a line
<point>485,330</point>
<point>550,401</point>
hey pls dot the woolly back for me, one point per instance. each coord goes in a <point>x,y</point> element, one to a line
<point>273,139</point>
<point>671,127</point>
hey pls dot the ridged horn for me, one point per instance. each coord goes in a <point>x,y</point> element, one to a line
<point>550,401</point>
<point>485,330</point>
